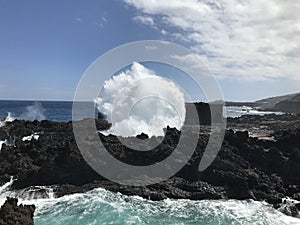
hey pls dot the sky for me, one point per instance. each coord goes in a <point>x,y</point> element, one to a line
<point>251,46</point>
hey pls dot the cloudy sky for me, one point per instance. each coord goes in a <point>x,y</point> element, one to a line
<point>251,46</point>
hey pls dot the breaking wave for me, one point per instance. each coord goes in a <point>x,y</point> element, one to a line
<point>100,206</point>
<point>9,118</point>
<point>138,100</point>
<point>32,112</point>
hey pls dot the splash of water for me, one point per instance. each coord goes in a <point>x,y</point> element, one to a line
<point>34,136</point>
<point>2,142</point>
<point>9,118</point>
<point>138,100</point>
<point>33,112</point>
<point>100,206</point>
<point>9,142</point>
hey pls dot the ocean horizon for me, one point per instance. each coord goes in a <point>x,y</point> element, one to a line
<point>61,111</point>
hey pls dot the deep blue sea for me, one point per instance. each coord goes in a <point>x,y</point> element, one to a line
<point>100,206</point>
<point>56,111</point>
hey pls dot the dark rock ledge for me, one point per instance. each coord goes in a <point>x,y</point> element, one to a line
<point>245,168</point>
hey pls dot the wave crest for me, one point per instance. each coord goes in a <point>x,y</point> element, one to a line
<point>138,100</point>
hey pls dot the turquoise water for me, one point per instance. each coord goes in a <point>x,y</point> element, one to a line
<point>104,207</point>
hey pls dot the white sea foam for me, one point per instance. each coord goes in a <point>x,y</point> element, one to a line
<point>32,195</point>
<point>2,142</point>
<point>238,111</point>
<point>6,186</point>
<point>100,206</point>
<point>32,112</point>
<point>287,204</point>
<point>8,142</point>
<point>34,136</point>
<point>138,100</point>
<point>9,118</point>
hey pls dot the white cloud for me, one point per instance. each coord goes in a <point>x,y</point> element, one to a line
<point>146,20</point>
<point>190,60</point>
<point>164,32</point>
<point>240,39</point>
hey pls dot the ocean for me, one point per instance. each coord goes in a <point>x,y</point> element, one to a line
<point>62,110</point>
<point>100,206</point>
<point>30,110</point>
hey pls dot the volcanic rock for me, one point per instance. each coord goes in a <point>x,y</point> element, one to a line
<point>13,214</point>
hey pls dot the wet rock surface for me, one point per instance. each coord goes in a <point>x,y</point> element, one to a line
<point>13,214</point>
<point>247,166</point>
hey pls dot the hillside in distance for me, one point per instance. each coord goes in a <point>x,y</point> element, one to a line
<point>286,103</point>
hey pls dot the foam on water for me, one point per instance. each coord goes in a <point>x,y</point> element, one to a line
<point>2,142</point>
<point>237,111</point>
<point>34,136</point>
<point>31,112</point>
<point>100,206</point>
<point>9,118</point>
<point>8,142</point>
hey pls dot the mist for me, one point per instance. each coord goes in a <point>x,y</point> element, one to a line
<point>138,100</point>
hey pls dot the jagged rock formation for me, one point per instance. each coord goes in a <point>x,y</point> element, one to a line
<point>13,214</point>
<point>246,167</point>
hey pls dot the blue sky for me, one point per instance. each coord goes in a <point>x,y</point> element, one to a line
<point>45,46</point>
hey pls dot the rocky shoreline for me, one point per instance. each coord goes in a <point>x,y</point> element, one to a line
<point>259,160</point>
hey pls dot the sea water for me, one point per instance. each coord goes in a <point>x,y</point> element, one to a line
<point>62,110</point>
<point>100,206</point>
<point>31,110</point>
<point>238,111</point>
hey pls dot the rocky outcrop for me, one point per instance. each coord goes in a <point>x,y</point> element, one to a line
<point>246,167</point>
<point>290,106</point>
<point>286,103</point>
<point>203,111</point>
<point>13,214</point>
